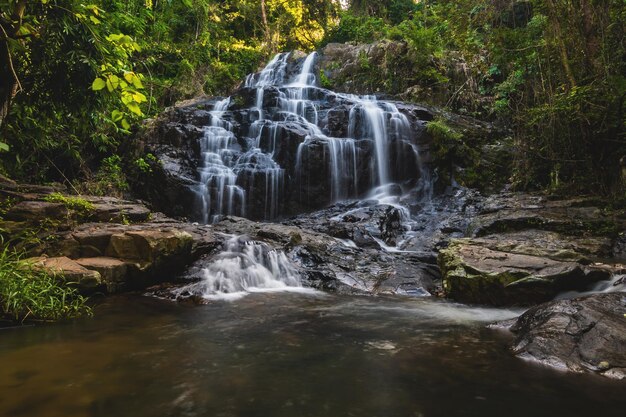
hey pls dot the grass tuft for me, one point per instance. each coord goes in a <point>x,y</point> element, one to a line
<point>31,294</point>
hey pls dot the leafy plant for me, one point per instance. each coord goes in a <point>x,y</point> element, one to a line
<point>31,294</point>
<point>145,164</point>
<point>110,179</point>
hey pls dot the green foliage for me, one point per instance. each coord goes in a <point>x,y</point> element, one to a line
<point>441,132</point>
<point>357,28</point>
<point>88,73</point>
<point>325,82</point>
<point>551,71</point>
<point>110,179</point>
<point>76,204</point>
<point>30,294</point>
<point>448,146</point>
<point>145,164</point>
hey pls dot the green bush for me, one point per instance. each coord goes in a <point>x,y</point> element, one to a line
<point>30,294</point>
<point>356,28</point>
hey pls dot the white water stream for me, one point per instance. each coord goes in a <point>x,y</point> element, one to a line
<point>230,175</point>
<point>245,266</point>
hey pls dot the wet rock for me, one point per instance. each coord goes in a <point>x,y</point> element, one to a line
<point>552,245</point>
<point>583,335</point>
<point>391,226</point>
<point>619,247</point>
<point>113,210</point>
<point>476,274</point>
<point>297,165</point>
<point>137,255</point>
<point>328,264</point>
<point>152,251</point>
<point>509,212</point>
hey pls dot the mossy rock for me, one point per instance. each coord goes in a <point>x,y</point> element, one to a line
<point>473,273</point>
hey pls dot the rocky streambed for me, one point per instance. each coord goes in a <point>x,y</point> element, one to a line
<point>288,187</point>
<point>507,249</point>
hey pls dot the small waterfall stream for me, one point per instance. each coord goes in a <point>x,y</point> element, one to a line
<point>288,141</point>
<point>218,191</point>
<point>244,266</point>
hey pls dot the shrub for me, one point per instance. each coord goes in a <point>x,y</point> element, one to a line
<point>30,294</point>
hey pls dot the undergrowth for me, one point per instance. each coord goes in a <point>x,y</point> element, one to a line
<point>29,294</point>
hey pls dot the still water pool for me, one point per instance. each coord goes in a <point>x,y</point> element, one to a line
<point>286,355</point>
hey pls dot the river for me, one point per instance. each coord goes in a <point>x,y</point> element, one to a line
<point>286,354</point>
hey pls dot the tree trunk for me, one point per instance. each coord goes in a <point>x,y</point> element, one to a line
<point>554,17</point>
<point>592,43</point>
<point>266,26</point>
<point>8,86</point>
<point>10,83</point>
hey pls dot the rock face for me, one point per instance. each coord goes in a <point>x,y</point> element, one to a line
<point>330,264</point>
<point>526,249</point>
<point>280,145</point>
<point>70,272</point>
<point>477,274</point>
<point>133,256</point>
<point>583,335</point>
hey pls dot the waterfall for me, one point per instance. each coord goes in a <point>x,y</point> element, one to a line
<point>248,163</point>
<point>218,191</point>
<point>245,266</point>
<point>306,77</point>
<point>272,74</point>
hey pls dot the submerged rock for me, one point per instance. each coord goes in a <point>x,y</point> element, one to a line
<point>582,335</point>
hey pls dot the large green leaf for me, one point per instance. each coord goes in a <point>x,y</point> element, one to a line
<point>98,84</point>
<point>134,107</point>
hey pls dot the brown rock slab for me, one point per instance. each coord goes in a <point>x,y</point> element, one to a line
<point>114,272</point>
<point>36,211</point>
<point>70,271</point>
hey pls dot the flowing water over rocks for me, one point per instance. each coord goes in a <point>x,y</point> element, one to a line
<point>282,145</point>
<point>243,266</point>
<point>356,208</point>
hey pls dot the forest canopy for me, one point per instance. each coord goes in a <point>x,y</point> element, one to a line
<point>77,79</point>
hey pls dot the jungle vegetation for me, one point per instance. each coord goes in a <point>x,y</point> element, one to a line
<point>77,79</point>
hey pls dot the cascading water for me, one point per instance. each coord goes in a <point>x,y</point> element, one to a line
<point>218,191</point>
<point>297,137</point>
<point>245,266</point>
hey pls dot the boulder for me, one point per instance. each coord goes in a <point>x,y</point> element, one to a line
<point>113,210</point>
<point>114,272</point>
<point>586,334</point>
<point>476,274</point>
<point>137,255</point>
<point>36,211</point>
<point>70,272</point>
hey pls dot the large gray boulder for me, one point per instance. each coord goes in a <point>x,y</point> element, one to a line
<point>582,335</point>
